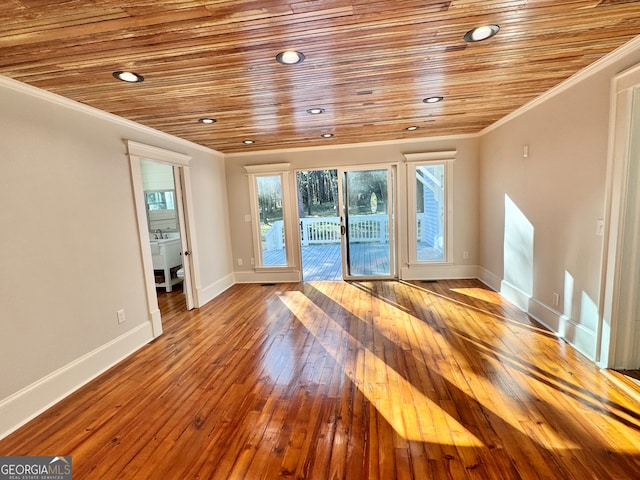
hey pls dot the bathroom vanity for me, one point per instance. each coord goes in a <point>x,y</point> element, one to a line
<point>166,255</point>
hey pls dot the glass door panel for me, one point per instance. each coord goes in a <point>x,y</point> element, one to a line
<point>367,223</point>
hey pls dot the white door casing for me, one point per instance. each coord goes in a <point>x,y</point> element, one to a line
<point>137,152</point>
<point>619,327</point>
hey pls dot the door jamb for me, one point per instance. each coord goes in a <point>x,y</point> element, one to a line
<point>615,329</point>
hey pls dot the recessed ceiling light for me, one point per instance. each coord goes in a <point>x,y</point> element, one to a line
<point>130,77</point>
<point>315,111</point>
<point>411,128</point>
<point>327,135</point>
<point>290,57</point>
<point>207,120</point>
<point>248,142</point>
<point>481,33</point>
<point>433,99</point>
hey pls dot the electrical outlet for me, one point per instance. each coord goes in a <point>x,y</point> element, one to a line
<point>556,299</point>
<point>465,254</point>
<point>121,317</point>
<point>525,151</point>
<point>247,218</point>
<point>240,262</point>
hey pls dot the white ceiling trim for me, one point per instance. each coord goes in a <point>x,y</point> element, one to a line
<point>44,95</point>
<point>586,72</point>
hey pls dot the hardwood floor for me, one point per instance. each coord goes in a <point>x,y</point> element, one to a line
<point>335,380</point>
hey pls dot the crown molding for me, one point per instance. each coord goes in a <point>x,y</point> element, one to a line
<point>597,66</point>
<point>23,88</point>
<point>355,145</point>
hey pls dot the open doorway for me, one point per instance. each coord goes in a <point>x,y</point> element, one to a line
<point>150,234</point>
<point>319,224</point>
<point>165,241</point>
<point>346,225</point>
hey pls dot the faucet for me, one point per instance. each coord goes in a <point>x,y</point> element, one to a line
<point>158,232</point>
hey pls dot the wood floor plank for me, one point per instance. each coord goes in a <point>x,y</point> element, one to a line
<point>335,380</point>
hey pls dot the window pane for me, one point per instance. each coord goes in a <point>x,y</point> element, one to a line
<point>271,220</point>
<point>430,221</point>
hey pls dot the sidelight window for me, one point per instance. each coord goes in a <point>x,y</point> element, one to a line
<point>269,186</point>
<point>429,210</point>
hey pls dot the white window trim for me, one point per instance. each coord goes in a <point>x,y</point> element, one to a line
<point>429,158</point>
<point>282,170</point>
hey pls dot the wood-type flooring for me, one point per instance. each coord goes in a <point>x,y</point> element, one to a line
<point>335,380</point>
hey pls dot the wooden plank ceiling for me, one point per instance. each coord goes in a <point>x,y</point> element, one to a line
<point>369,63</point>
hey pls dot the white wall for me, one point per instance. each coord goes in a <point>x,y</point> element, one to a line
<point>560,190</point>
<point>465,195</point>
<point>208,180</point>
<point>70,249</point>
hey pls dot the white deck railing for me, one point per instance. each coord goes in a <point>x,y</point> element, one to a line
<point>326,230</point>
<point>274,238</point>
<point>362,229</point>
<point>315,231</point>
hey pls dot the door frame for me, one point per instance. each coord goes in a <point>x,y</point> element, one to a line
<point>392,195</point>
<point>180,175</point>
<point>618,333</point>
<point>137,152</point>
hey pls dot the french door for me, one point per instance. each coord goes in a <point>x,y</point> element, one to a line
<point>367,213</point>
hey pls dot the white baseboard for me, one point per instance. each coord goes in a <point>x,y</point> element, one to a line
<point>291,276</point>
<point>580,337</point>
<point>26,404</point>
<point>438,272</point>
<point>547,316</point>
<point>516,296</point>
<point>577,335</point>
<point>489,279</point>
<point>413,272</point>
<point>208,293</point>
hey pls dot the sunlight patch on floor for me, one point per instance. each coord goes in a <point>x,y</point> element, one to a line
<point>430,347</point>
<point>388,391</point>
<point>483,294</point>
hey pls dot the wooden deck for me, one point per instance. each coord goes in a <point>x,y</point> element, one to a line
<point>335,380</point>
<point>324,262</point>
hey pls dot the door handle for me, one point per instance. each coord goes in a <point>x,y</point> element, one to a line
<point>343,230</point>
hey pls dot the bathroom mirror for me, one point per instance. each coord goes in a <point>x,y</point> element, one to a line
<point>160,200</point>
<point>161,210</point>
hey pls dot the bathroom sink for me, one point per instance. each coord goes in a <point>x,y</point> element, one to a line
<point>165,240</point>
